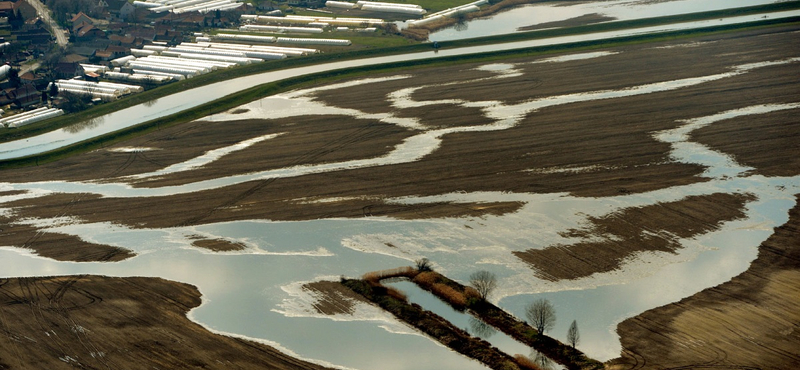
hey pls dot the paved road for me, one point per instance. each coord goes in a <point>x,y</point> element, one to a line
<point>61,36</point>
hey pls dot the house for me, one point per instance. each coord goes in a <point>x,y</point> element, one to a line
<point>23,96</point>
<point>33,24</point>
<point>79,21</point>
<point>103,55</point>
<point>117,51</point>
<point>67,70</point>
<point>126,41</point>
<point>121,9</point>
<point>89,32</point>
<point>7,9</point>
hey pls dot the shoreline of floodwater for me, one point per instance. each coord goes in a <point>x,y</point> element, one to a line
<point>169,89</point>
<point>238,98</point>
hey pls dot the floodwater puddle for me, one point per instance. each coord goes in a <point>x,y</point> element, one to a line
<point>255,293</point>
<point>191,98</point>
<point>203,160</point>
<point>620,10</point>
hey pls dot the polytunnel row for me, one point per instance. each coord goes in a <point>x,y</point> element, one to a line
<point>279,40</point>
<point>102,90</point>
<point>161,63</point>
<point>305,24</point>
<point>376,6</point>
<point>36,115</point>
<point>184,6</point>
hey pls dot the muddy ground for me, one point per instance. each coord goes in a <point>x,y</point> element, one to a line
<point>90,322</point>
<point>590,149</point>
<point>610,239</point>
<point>750,322</point>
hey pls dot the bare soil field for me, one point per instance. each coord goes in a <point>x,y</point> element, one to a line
<point>750,322</point>
<point>334,298</point>
<point>117,323</point>
<point>589,149</point>
<point>613,142</point>
<point>623,233</point>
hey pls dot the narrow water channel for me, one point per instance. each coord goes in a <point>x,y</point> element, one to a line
<point>473,325</point>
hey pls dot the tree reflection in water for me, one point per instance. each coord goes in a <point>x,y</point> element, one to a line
<point>542,361</point>
<point>481,329</point>
<point>83,125</point>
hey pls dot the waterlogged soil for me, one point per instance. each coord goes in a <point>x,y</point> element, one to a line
<point>610,239</point>
<point>59,247</point>
<point>773,130</point>
<point>750,322</point>
<point>334,298</point>
<point>611,141</point>
<point>606,146</point>
<point>219,245</point>
<point>117,323</point>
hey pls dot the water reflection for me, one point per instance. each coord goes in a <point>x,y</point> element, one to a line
<point>88,124</point>
<point>191,98</point>
<point>253,292</point>
<point>481,329</point>
<point>529,15</point>
<point>544,362</point>
<point>461,24</point>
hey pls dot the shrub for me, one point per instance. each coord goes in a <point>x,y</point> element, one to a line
<point>472,296</point>
<point>375,277</point>
<point>450,295</point>
<point>526,363</point>
<point>423,265</point>
<point>426,279</point>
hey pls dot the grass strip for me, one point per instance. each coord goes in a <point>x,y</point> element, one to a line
<point>218,76</point>
<point>244,96</point>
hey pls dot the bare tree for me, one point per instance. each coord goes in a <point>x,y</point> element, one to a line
<point>423,264</point>
<point>573,335</point>
<point>541,314</point>
<point>484,282</point>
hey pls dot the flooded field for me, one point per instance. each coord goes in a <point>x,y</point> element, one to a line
<point>473,167</point>
<point>560,14</point>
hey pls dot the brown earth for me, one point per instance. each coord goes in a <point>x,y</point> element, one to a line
<point>610,139</point>
<point>610,239</point>
<point>91,322</point>
<point>572,22</point>
<point>750,322</point>
<point>333,298</point>
<point>773,130</point>
<point>219,245</point>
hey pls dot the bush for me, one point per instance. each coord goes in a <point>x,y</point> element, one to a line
<point>449,295</point>
<point>375,277</point>
<point>426,279</point>
<point>526,363</point>
<point>423,265</point>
